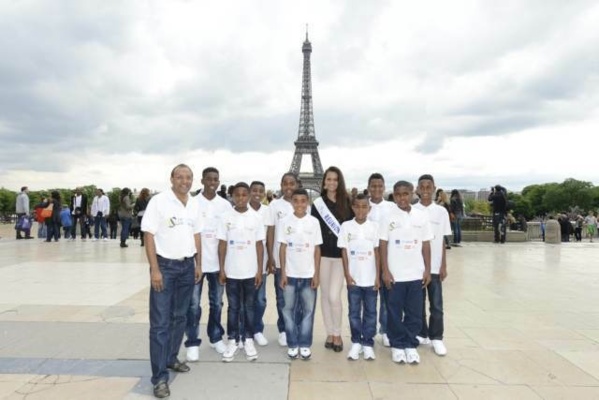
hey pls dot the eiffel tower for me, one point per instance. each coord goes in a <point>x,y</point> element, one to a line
<point>306,143</point>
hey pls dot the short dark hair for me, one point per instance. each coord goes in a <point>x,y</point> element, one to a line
<point>257,183</point>
<point>359,196</point>
<point>241,185</point>
<point>208,170</point>
<point>23,188</point>
<point>175,169</point>
<point>426,177</point>
<point>376,175</point>
<point>399,184</point>
<point>291,174</point>
<point>300,192</point>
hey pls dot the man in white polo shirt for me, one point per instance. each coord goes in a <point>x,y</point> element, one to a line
<point>172,226</point>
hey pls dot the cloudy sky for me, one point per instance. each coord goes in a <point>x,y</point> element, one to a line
<point>115,93</point>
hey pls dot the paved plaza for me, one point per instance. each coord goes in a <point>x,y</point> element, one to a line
<point>522,322</point>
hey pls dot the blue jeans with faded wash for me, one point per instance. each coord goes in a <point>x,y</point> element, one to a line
<point>168,310</point>
<point>298,311</point>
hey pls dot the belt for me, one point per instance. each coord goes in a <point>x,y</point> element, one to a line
<point>176,259</point>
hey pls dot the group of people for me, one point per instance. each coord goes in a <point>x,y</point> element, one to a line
<point>578,225</point>
<point>387,252</point>
<point>57,218</point>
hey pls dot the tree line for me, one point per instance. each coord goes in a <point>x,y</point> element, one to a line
<point>571,196</point>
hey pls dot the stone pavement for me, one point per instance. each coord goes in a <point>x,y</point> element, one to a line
<point>522,322</point>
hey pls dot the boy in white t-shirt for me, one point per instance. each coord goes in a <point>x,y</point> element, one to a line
<point>257,192</point>
<point>405,236</point>
<point>300,239</point>
<point>240,255</point>
<point>379,209</point>
<point>358,240</point>
<point>432,332</point>
<point>279,209</point>
<point>212,208</point>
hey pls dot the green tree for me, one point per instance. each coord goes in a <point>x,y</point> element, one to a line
<point>8,200</point>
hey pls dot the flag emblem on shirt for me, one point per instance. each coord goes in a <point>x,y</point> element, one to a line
<point>353,253</point>
<point>397,241</point>
<point>290,244</point>
<point>231,242</point>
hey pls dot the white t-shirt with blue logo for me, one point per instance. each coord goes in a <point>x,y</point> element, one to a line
<point>360,242</point>
<point>241,231</point>
<point>301,235</point>
<point>404,233</point>
<point>211,212</point>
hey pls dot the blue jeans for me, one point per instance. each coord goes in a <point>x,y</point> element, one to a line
<point>214,329</point>
<point>362,314</point>
<point>260,306</point>
<point>81,219</point>
<point>100,222</point>
<point>457,230</point>
<point>280,300</point>
<point>53,230</point>
<point>434,328</point>
<point>241,295</point>
<point>383,308</point>
<point>404,314</point>
<point>125,226</point>
<point>299,326</point>
<point>167,314</point>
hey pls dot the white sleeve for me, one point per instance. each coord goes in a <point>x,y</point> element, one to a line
<point>151,219</point>
<point>221,228</point>
<point>342,239</point>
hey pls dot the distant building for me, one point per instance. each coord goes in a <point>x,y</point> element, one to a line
<point>483,194</point>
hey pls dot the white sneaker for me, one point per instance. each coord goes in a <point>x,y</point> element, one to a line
<point>260,339</point>
<point>193,353</point>
<point>386,342</point>
<point>439,347</point>
<point>219,346</point>
<point>240,344</point>
<point>412,356</point>
<point>292,352</point>
<point>354,351</point>
<point>398,355</point>
<point>282,339</point>
<point>368,353</point>
<point>423,341</point>
<point>305,353</point>
<point>94,240</point>
<point>105,239</point>
<point>230,351</point>
<point>250,351</point>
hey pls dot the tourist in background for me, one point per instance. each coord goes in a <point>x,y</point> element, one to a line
<point>498,201</point>
<point>100,209</point>
<point>125,216</point>
<point>22,210</point>
<point>53,221</point>
<point>456,214</point>
<point>140,207</point>
<point>79,208</point>
<point>331,210</point>
<point>591,223</point>
<point>66,221</point>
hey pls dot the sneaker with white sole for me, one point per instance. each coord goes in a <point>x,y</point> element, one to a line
<point>293,352</point>
<point>305,353</point>
<point>282,339</point>
<point>260,339</point>
<point>368,352</point>
<point>220,347</point>
<point>412,356</point>
<point>240,344</point>
<point>193,353</point>
<point>250,350</point>
<point>439,347</point>
<point>423,341</point>
<point>354,351</point>
<point>386,342</point>
<point>230,351</point>
<point>398,356</point>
